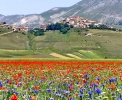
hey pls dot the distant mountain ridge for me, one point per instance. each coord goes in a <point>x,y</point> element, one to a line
<point>104,11</point>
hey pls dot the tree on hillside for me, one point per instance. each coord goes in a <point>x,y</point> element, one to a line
<point>64,30</point>
<point>4,22</point>
<point>66,25</point>
<point>71,26</point>
<point>103,27</point>
<point>57,26</point>
<point>37,32</point>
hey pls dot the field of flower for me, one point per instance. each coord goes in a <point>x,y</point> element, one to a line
<point>60,80</point>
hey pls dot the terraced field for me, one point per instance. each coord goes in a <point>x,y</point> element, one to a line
<point>89,54</point>
<point>59,56</point>
<point>81,54</point>
<point>101,44</point>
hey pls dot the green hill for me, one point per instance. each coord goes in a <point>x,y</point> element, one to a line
<point>4,30</point>
<point>101,44</point>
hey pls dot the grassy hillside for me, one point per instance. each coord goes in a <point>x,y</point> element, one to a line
<point>13,41</point>
<point>104,43</point>
<point>101,44</point>
<point>4,30</point>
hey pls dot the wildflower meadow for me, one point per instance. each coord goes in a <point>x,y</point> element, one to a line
<point>60,80</point>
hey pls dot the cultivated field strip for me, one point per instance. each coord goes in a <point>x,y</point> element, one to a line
<point>59,56</point>
<point>74,56</point>
<point>89,54</point>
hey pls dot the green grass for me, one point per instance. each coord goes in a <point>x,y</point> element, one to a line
<point>103,43</point>
<point>72,42</point>
<point>23,54</point>
<point>89,54</point>
<point>13,41</point>
<point>4,30</point>
<point>80,55</point>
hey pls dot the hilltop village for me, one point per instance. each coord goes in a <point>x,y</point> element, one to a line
<point>74,21</point>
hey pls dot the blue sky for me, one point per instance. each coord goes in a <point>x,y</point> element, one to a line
<point>10,7</point>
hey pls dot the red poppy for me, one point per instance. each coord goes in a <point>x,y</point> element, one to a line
<point>121,78</point>
<point>36,87</point>
<point>10,82</point>
<point>112,86</point>
<point>4,89</point>
<point>14,97</point>
<point>71,87</point>
<point>33,97</point>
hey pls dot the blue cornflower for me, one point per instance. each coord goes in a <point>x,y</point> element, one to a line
<point>64,91</point>
<point>98,78</point>
<point>86,76</point>
<point>7,81</point>
<point>120,99</point>
<point>90,86</point>
<point>90,94</point>
<point>81,90</point>
<point>67,92</point>
<point>58,90</point>
<point>16,93</point>
<point>43,98</point>
<point>98,91</point>
<point>28,99</point>
<point>71,99</point>
<point>32,77</point>
<point>36,83</point>
<point>49,90</point>
<point>94,85</point>
<point>121,87</point>
<point>41,81</point>
<point>28,89</point>
<point>77,82</point>
<point>20,83</point>
<point>51,98</point>
<point>36,91</point>
<point>85,84</point>
<point>23,95</point>
<point>1,84</point>
<point>62,96</point>
<point>64,84</point>
<point>57,94</point>
<point>69,85</point>
<point>113,80</point>
<point>81,96</point>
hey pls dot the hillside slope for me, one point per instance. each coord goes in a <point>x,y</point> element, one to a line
<point>103,43</point>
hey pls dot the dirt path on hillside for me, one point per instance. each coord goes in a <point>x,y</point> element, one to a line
<point>11,50</point>
<point>6,33</point>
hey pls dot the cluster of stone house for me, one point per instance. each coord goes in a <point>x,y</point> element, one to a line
<point>79,22</point>
<point>20,29</point>
<point>76,22</point>
<point>43,26</point>
<point>15,28</point>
